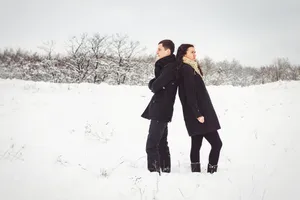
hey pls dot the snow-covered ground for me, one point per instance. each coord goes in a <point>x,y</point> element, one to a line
<point>87,142</point>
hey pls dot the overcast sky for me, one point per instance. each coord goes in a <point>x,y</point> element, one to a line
<point>255,33</point>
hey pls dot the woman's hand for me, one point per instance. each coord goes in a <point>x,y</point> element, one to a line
<point>201,119</point>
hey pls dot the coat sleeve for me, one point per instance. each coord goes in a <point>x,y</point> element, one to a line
<point>157,71</point>
<point>150,83</point>
<point>165,77</point>
<point>190,90</point>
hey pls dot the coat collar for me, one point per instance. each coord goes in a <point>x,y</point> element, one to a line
<point>165,60</point>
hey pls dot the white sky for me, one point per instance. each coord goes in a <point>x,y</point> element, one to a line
<point>255,33</point>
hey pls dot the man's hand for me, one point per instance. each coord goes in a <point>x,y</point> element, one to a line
<point>201,119</point>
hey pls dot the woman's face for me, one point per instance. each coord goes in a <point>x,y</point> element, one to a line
<point>191,53</point>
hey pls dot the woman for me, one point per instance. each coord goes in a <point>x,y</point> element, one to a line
<point>199,115</point>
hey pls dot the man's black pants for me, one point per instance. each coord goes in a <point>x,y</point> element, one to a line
<point>158,153</point>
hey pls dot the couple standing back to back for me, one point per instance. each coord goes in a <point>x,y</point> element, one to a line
<point>183,72</point>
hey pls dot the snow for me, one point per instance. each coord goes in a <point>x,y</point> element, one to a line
<point>85,141</point>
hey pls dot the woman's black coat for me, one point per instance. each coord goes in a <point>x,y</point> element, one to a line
<point>196,102</point>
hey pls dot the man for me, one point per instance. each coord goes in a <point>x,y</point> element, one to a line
<point>160,108</point>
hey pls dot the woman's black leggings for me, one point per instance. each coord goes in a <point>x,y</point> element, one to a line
<point>216,144</point>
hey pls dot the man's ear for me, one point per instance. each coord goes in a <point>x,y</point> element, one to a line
<point>169,51</point>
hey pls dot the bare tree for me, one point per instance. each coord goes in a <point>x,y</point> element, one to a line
<point>100,67</point>
<point>280,66</point>
<point>50,61</point>
<point>79,59</point>
<point>48,48</point>
<point>122,52</point>
<point>208,67</point>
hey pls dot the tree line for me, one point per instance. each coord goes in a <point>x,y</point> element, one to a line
<point>116,60</point>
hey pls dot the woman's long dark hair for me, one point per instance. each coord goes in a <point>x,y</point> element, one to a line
<point>181,51</point>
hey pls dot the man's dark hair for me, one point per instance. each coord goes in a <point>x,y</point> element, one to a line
<point>168,44</point>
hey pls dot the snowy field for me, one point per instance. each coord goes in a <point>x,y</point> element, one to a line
<point>87,142</point>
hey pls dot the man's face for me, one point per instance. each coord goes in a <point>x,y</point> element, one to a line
<point>161,52</point>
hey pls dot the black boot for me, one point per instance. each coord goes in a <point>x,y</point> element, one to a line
<point>195,167</point>
<point>165,163</point>
<point>166,170</point>
<point>212,168</point>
